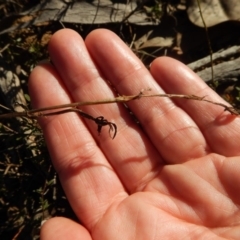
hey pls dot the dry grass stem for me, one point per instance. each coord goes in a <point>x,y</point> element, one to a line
<point>101,121</point>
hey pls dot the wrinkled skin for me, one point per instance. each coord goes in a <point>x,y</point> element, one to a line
<point>175,177</point>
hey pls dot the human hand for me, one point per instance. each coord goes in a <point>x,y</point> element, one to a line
<point>176,177</point>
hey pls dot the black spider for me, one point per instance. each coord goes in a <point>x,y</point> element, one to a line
<point>100,121</point>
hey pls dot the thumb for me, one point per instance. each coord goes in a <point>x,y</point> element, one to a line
<point>62,228</point>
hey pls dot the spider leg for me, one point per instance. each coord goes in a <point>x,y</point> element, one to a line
<point>100,121</point>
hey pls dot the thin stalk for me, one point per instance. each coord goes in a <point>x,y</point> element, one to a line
<point>208,41</point>
<point>41,112</point>
<point>101,121</point>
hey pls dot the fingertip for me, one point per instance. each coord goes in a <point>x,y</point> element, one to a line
<point>164,65</point>
<point>105,42</point>
<point>62,35</point>
<point>100,33</point>
<point>42,78</point>
<point>33,84</point>
<point>175,76</point>
<point>63,228</point>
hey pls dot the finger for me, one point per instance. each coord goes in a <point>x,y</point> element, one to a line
<point>229,178</point>
<point>86,176</point>
<point>172,131</point>
<point>220,128</point>
<point>62,228</point>
<point>131,154</point>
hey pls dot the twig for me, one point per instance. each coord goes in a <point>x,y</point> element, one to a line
<point>4,48</point>
<point>208,41</point>
<point>101,121</point>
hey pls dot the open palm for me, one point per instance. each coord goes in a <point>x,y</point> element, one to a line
<point>176,175</point>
